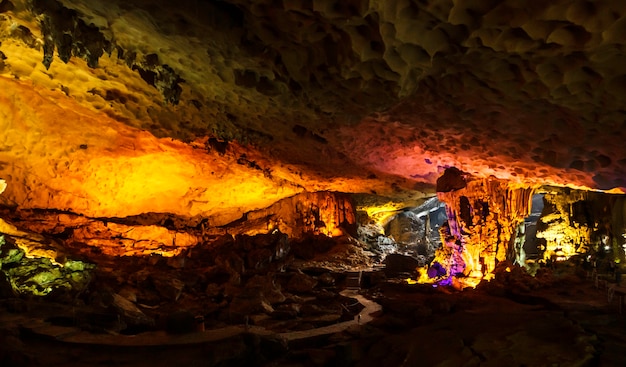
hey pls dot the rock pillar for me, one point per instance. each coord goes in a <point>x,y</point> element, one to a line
<point>483,220</point>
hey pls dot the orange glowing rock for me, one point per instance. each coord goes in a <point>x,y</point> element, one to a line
<point>482,219</point>
<point>59,154</point>
<point>326,213</point>
<point>411,281</point>
<point>123,240</point>
<point>563,236</point>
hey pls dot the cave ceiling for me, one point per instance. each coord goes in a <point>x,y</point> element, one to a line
<point>213,108</point>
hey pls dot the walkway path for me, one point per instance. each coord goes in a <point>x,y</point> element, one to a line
<point>75,335</point>
<point>364,317</point>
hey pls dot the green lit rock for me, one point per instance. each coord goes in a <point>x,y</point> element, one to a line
<point>9,255</point>
<point>74,266</point>
<point>40,276</point>
<point>13,256</point>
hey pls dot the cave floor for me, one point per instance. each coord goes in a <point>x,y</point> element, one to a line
<point>563,321</point>
<point>569,323</point>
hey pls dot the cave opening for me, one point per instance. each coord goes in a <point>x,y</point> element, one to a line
<point>409,234</point>
<point>530,228</point>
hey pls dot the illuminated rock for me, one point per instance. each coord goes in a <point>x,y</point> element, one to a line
<point>41,276</point>
<point>398,263</point>
<point>482,220</point>
<point>322,213</point>
<point>406,228</point>
<point>562,235</point>
<point>129,312</point>
<point>108,238</point>
<point>152,128</point>
<point>209,118</point>
<point>371,97</point>
<point>327,213</point>
<point>580,222</point>
<point>249,301</point>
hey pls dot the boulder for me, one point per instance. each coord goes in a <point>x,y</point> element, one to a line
<point>326,279</point>
<point>261,250</point>
<point>248,302</point>
<point>131,314</point>
<point>259,258</point>
<point>451,180</point>
<point>287,311</point>
<point>258,319</point>
<point>398,263</point>
<point>129,293</point>
<point>436,270</point>
<point>406,228</point>
<point>168,288</point>
<point>301,283</point>
<point>231,262</point>
<point>268,288</point>
<point>310,245</point>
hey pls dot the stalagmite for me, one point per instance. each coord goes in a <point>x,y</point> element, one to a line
<point>581,222</point>
<point>561,234</point>
<point>483,217</point>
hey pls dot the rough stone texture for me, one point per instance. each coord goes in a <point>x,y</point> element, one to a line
<point>155,128</point>
<point>576,222</point>
<point>301,283</point>
<point>130,313</point>
<point>482,219</point>
<point>398,263</point>
<point>363,96</point>
<point>326,213</point>
<point>406,228</point>
<point>452,179</point>
<point>29,271</point>
<point>317,214</point>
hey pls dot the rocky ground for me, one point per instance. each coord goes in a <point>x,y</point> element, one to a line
<point>557,318</point>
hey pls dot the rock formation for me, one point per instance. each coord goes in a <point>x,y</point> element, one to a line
<point>171,165</point>
<point>483,215</point>
<point>581,223</point>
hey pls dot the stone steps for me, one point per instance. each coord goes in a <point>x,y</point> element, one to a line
<point>353,280</point>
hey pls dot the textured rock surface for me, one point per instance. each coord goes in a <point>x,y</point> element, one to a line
<point>152,128</point>
<point>482,220</point>
<point>320,213</point>
<point>265,99</point>
<point>29,273</point>
<point>574,222</point>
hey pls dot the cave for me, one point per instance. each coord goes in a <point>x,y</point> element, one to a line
<point>312,183</point>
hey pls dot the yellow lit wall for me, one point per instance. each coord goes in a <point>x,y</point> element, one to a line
<point>57,154</point>
<point>488,239</point>
<point>563,236</point>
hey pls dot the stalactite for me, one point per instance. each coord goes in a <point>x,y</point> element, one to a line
<point>324,212</point>
<point>579,222</point>
<point>483,219</point>
<point>316,213</point>
<point>562,236</point>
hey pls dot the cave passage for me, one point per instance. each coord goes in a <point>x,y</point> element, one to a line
<point>530,224</point>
